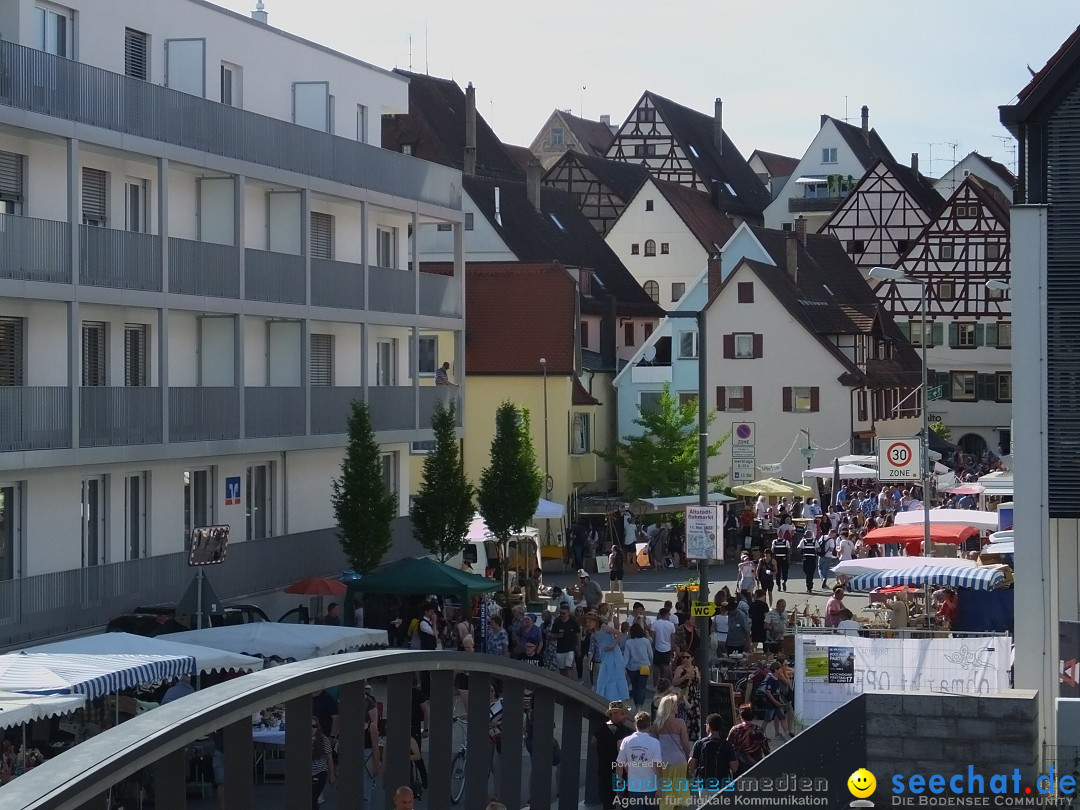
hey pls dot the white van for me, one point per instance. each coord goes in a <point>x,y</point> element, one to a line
<point>480,555</point>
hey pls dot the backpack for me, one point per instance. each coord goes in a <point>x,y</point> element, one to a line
<point>823,546</point>
<point>751,745</point>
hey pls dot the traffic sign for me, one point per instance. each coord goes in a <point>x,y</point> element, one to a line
<point>742,434</point>
<point>742,452</point>
<point>702,609</point>
<point>742,470</point>
<point>935,392</point>
<point>899,460</point>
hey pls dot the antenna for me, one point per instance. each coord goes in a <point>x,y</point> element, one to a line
<point>410,53</point>
<point>1008,143</point>
<point>427,67</point>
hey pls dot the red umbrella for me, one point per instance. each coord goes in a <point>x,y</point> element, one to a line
<point>912,535</point>
<point>318,586</point>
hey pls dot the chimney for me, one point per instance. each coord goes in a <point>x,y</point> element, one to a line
<point>532,182</point>
<point>259,14</point>
<point>915,162</point>
<point>714,193</point>
<point>607,333</point>
<point>715,274</point>
<point>793,257</point>
<point>824,118</point>
<point>718,126</point>
<point>606,121</point>
<point>866,123</point>
<point>498,210</point>
<point>469,168</point>
<point>800,230</point>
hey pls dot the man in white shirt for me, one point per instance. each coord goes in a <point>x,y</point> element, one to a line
<point>640,764</point>
<point>662,629</point>
<point>848,626</point>
<point>846,546</point>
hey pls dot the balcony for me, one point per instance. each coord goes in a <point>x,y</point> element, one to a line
<point>111,416</point>
<point>391,290</point>
<point>393,407</point>
<point>440,295</point>
<point>38,82</point>
<point>429,395</point>
<point>204,414</point>
<point>34,249</point>
<point>337,284</point>
<point>274,277</point>
<point>121,259</point>
<point>274,411</point>
<point>809,204</point>
<point>650,374</point>
<point>330,407</point>
<point>34,418</point>
<point>204,268</point>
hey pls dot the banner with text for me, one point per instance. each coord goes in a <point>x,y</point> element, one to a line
<point>703,541</point>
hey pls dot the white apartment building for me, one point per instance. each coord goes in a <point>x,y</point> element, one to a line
<point>205,257</point>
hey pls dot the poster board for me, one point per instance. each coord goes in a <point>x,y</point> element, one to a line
<point>722,702</point>
<point>703,540</point>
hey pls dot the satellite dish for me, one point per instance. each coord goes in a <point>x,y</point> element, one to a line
<point>649,354</point>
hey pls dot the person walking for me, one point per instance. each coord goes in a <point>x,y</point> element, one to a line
<point>749,741</point>
<point>639,658</point>
<point>322,763</point>
<point>639,764</point>
<point>713,761</point>
<point>738,629</point>
<point>608,737</point>
<point>766,574</point>
<point>662,630</point>
<point>674,753</point>
<point>827,560</point>
<point>781,550</point>
<point>611,680</point>
<point>808,549</point>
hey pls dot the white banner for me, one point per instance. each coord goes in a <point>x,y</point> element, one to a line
<point>831,670</point>
<point>703,541</point>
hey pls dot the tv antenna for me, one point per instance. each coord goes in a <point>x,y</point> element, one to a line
<point>410,53</point>
<point>1008,143</point>
<point>930,153</point>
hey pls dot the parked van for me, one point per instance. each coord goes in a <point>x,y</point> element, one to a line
<point>481,556</point>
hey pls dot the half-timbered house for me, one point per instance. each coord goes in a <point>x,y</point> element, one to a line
<point>564,131</point>
<point>691,148</point>
<point>602,187</point>
<point>969,326</point>
<point>888,207</point>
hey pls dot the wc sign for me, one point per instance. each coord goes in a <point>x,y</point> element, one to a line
<point>232,491</point>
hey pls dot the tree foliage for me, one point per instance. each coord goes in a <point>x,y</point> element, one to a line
<point>363,505</point>
<point>443,507</point>
<point>662,461</point>
<point>943,431</point>
<point>511,483</point>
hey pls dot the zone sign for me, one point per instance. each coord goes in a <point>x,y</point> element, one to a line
<point>899,460</point>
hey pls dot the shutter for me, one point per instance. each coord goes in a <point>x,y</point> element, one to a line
<point>937,332</point>
<point>979,334</point>
<point>729,347</point>
<point>815,399</point>
<point>992,334</point>
<point>584,334</point>
<point>759,342</point>
<point>11,176</point>
<point>93,354</point>
<point>786,390</point>
<point>135,54</point>
<point>721,399</point>
<point>136,369</point>
<point>322,360</point>
<point>322,236</point>
<point>985,387</point>
<point>93,196</point>
<point>12,351</point>
<point>953,330</point>
<point>748,398</point>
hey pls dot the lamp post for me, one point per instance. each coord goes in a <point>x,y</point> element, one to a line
<point>808,451</point>
<point>547,455</point>
<point>892,274</point>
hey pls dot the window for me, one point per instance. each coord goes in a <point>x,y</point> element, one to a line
<point>650,247</point>
<point>1003,386</point>
<point>583,330</point>
<point>422,448</point>
<point>787,226</point>
<point>428,360</point>
<point>135,515</point>
<point>645,150</point>
<point>916,334</point>
<point>10,528</point>
<point>743,346</point>
<point>94,195</point>
<point>828,154</point>
<point>136,54</point>
<point>653,290</point>
<point>185,66</point>
<point>856,246</point>
<point>260,517</point>
<point>232,85</point>
<point>649,401</point>
<point>406,149</point>
<point>94,542</point>
<point>946,291</point>
<point>962,386</point>
<point>999,335</point>
<point>687,397</point>
<point>628,334</point>
<point>801,399</point>
<point>11,183</point>
<point>322,236</point>
<point>647,114</point>
<point>648,205</point>
<point>12,351</point>
<point>94,354</point>
<point>993,253</point>
<point>648,328</point>
<point>946,253</point>
<point>746,292</point>
<point>54,30</point>
<point>136,354</point>
<point>635,249</point>
<point>734,398</point>
<point>321,363</point>
<point>361,123</point>
<point>580,436</point>
<point>678,289</point>
<point>556,136</point>
<point>901,246</point>
<point>688,345</point>
<point>135,219</point>
<point>388,463</point>
<point>665,248</point>
<point>198,501</point>
<point>311,105</point>
<point>386,247</point>
<point>962,335</point>
<point>386,362</point>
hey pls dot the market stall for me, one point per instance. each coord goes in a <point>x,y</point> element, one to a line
<point>18,708</point>
<point>911,536</point>
<point>773,488</point>
<point>956,517</point>
<point>207,659</point>
<point>91,675</point>
<point>285,642</point>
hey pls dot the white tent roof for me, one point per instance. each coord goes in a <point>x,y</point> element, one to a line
<point>207,659</point>
<point>675,503</point>
<point>549,510</point>
<point>846,471</point>
<point>286,641</point>
<point>877,565</point>
<point>90,675</point>
<point>1003,547</point>
<point>17,708</point>
<point>478,530</point>
<point>956,517</point>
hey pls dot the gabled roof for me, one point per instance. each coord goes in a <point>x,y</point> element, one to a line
<point>1060,61</point>
<point>776,165</point>
<point>559,232</point>
<point>622,178</point>
<point>522,155</point>
<point>435,129</point>
<point>579,396</point>
<point>990,196</point>
<point>997,168</point>
<point>594,136</point>
<point>710,226</point>
<point>594,361</point>
<point>918,186</point>
<point>865,149</point>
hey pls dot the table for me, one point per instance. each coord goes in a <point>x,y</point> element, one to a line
<point>269,750</point>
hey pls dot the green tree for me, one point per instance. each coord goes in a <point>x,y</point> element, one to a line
<point>662,461</point>
<point>443,506</point>
<point>943,431</point>
<point>510,485</point>
<point>363,504</point>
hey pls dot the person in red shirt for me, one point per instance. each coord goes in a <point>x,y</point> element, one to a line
<point>947,611</point>
<point>834,606</point>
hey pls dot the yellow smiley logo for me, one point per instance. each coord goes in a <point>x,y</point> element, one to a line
<point>861,783</point>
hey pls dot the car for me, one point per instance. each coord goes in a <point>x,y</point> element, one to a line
<point>160,619</point>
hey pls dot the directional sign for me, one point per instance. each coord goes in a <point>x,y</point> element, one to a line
<point>899,460</point>
<point>700,609</point>
<point>742,434</point>
<point>935,392</point>
<point>742,470</point>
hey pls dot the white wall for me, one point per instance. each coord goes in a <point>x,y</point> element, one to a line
<point>45,168</point>
<point>346,350</point>
<point>482,243</point>
<point>951,180</point>
<point>346,228</point>
<point>45,339</point>
<point>255,352</point>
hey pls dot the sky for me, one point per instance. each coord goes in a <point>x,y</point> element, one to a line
<point>933,73</point>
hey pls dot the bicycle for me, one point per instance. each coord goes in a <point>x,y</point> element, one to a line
<point>457,765</point>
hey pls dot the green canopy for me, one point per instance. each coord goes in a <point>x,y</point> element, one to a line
<point>417,576</point>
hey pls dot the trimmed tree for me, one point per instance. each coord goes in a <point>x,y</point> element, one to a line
<point>363,505</point>
<point>510,485</point>
<point>443,507</point>
<point>662,461</point>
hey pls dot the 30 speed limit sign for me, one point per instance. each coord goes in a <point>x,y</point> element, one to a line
<point>899,460</point>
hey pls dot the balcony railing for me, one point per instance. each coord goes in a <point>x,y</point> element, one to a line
<point>393,407</point>
<point>440,295</point>
<point>114,415</point>
<point>391,290</point>
<point>35,249</point>
<point>204,268</point>
<point>277,277</point>
<point>797,204</point>
<point>204,414</point>
<point>122,259</point>
<point>430,394</point>
<point>39,82</point>
<point>330,406</point>
<point>274,411</point>
<point>337,284</point>
<point>34,418</point>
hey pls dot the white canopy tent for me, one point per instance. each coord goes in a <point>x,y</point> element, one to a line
<point>872,462</point>
<point>955,517</point>
<point>549,510</point>
<point>1003,547</point>
<point>17,708</point>
<point>90,675</point>
<point>297,642</point>
<point>675,503</point>
<point>878,565</point>
<point>207,659</point>
<point>846,471</point>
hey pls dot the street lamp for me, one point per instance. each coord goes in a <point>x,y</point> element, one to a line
<point>547,456</point>
<point>808,451</point>
<point>998,284</point>
<point>892,274</point>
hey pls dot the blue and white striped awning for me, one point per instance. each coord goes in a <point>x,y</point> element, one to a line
<point>980,578</point>
<point>90,675</point>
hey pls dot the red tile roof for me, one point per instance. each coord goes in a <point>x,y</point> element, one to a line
<point>579,396</point>
<point>776,165</point>
<point>1053,60</point>
<point>711,226</point>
